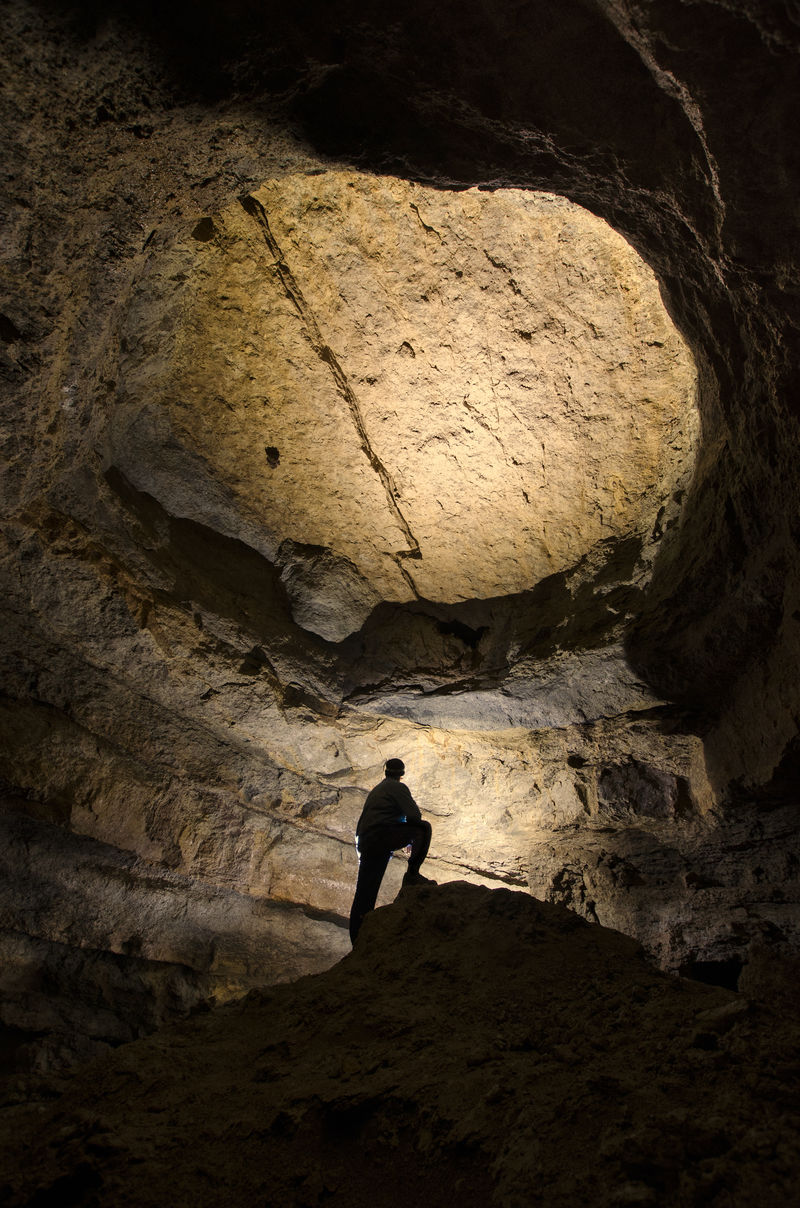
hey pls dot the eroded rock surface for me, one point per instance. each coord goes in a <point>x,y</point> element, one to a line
<point>276,508</point>
<point>475,1043</point>
<point>401,393</point>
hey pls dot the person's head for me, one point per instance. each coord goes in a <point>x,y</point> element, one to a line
<point>395,768</point>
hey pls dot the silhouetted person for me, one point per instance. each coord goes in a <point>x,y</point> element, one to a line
<point>389,820</point>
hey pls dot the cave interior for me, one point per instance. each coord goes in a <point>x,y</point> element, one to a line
<point>417,384</point>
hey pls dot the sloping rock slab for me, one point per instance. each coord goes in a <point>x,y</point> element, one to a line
<point>478,1045</point>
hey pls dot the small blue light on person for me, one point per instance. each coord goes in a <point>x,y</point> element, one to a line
<point>390,820</point>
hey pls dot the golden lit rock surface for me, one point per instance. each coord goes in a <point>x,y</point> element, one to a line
<point>445,395</point>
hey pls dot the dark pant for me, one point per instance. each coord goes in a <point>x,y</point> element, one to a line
<point>374,853</point>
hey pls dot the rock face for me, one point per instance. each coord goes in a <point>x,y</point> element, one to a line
<point>340,421</point>
<point>476,1043</point>
<point>399,393</point>
<point>98,947</point>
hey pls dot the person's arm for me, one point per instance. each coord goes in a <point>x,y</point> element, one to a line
<point>410,807</point>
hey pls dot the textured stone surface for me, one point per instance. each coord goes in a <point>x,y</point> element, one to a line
<point>476,1044</point>
<point>76,913</point>
<point>395,392</point>
<point>186,676</point>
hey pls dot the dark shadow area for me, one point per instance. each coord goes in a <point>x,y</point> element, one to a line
<point>205,567</point>
<point>783,787</point>
<point>208,570</point>
<point>723,973</point>
<point>477,1045</point>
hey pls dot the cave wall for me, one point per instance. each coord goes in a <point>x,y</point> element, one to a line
<point>397,393</point>
<point>620,736</point>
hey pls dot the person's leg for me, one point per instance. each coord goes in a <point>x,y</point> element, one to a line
<point>417,834</point>
<point>419,846</point>
<point>372,861</point>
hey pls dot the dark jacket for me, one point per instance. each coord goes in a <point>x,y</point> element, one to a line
<point>390,801</point>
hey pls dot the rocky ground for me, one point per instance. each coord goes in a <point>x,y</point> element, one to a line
<point>477,1045</point>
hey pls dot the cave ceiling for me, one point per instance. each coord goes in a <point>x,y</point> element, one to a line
<point>396,393</point>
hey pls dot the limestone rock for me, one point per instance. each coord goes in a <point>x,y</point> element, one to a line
<point>455,395</point>
<point>98,947</point>
<point>475,1043</point>
<point>327,593</point>
<point>517,551</point>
